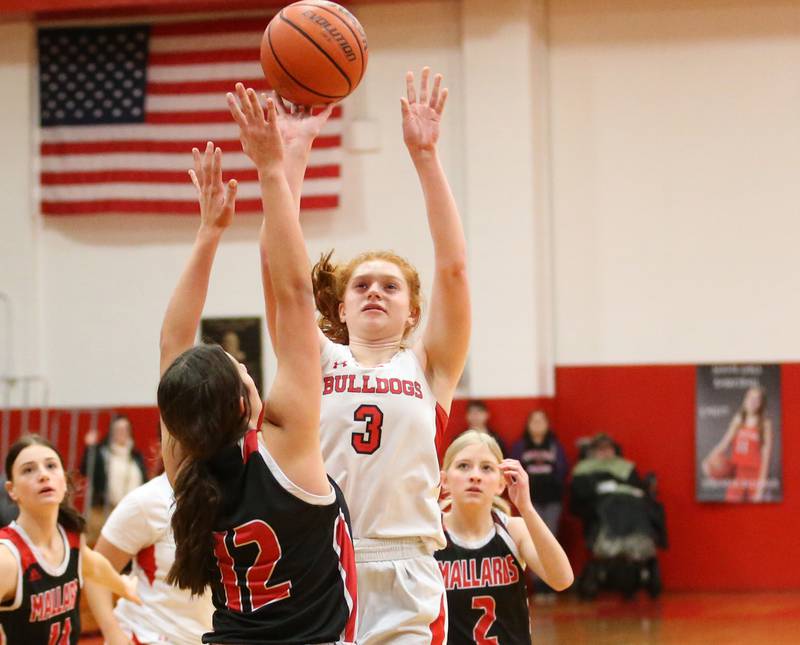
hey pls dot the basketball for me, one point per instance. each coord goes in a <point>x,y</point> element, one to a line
<point>720,467</point>
<point>314,52</point>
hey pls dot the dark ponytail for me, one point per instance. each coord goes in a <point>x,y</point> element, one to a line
<point>205,407</point>
<point>327,295</point>
<point>68,515</point>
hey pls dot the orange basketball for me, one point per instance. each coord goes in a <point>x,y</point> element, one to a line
<point>720,467</point>
<point>314,52</point>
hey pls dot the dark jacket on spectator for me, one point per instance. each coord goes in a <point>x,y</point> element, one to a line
<point>546,465</point>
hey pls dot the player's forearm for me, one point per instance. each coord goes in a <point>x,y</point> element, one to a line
<point>102,605</point>
<point>99,570</point>
<point>281,241</point>
<point>295,162</point>
<point>189,296</point>
<point>557,569</point>
<point>444,222</point>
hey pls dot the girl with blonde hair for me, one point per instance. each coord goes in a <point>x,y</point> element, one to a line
<point>487,551</point>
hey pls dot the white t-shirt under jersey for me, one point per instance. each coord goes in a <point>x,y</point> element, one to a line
<point>140,525</point>
<point>379,431</point>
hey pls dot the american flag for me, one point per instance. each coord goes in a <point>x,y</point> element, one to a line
<point>121,107</point>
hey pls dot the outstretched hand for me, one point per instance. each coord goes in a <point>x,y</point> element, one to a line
<point>217,202</point>
<point>130,583</point>
<point>421,116</point>
<point>517,483</point>
<point>298,125</point>
<point>258,130</point>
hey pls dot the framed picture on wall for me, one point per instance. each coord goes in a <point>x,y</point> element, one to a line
<point>241,338</point>
<point>738,434</point>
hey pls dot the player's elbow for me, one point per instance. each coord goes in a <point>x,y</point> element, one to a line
<point>563,581</point>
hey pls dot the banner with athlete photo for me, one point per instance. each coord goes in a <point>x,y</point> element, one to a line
<point>738,434</point>
<point>241,338</point>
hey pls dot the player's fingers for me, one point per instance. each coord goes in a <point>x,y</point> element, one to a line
<point>411,91</point>
<point>437,82</point>
<point>423,85</point>
<point>193,177</point>
<point>205,170</point>
<point>272,114</point>
<point>216,166</point>
<point>236,111</point>
<point>280,103</point>
<point>404,108</point>
<point>442,100</point>
<point>255,104</point>
<point>244,102</point>
<point>230,193</point>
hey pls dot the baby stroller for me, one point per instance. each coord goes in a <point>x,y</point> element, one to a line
<point>623,523</point>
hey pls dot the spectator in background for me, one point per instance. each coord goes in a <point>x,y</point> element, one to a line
<point>478,419</point>
<point>114,467</point>
<point>542,456</point>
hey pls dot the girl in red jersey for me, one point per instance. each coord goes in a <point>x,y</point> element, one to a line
<point>44,557</point>
<point>487,551</point>
<point>386,398</point>
<point>747,446</point>
<point>256,518</point>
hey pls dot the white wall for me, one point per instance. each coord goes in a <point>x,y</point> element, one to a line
<point>676,200</point>
<point>19,236</point>
<point>105,281</point>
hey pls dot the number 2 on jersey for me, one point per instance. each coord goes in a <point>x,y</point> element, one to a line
<point>258,572</point>
<point>368,441</point>
<point>485,622</point>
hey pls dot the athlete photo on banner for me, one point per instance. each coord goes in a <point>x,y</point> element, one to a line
<point>738,434</point>
<point>241,338</point>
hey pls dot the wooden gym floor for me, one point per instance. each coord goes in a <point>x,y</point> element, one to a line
<point>757,618</point>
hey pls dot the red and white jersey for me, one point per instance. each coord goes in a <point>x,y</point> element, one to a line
<point>747,447</point>
<point>380,432</point>
<point>140,525</point>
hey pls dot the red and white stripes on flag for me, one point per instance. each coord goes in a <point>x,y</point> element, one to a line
<point>141,168</point>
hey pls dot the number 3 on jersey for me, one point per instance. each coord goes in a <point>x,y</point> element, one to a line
<point>369,440</point>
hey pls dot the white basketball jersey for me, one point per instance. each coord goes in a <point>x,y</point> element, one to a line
<point>379,429</point>
<point>140,525</point>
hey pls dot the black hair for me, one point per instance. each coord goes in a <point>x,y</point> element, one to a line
<point>68,515</point>
<point>477,403</point>
<point>205,407</point>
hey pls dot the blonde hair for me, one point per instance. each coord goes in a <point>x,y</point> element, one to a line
<point>330,282</point>
<point>474,438</point>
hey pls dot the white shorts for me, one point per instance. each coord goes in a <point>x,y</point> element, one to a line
<point>401,594</point>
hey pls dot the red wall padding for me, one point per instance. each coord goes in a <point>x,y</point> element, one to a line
<point>650,411</point>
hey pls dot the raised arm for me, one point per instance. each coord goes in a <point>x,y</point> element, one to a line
<point>96,568</point>
<point>100,600</point>
<point>444,343</point>
<point>298,127</point>
<point>294,399</point>
<point>537,545</point>
<point>182,317</point>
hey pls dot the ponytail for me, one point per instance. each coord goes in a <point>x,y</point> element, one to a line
<point>205,407</point>
<point>197,502</point>
<point>68,515</point>
<point>327,286</point>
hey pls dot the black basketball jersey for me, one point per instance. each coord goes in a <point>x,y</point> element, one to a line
<point>487,603</point>
<point>45,608</point>
<point>285,557</point>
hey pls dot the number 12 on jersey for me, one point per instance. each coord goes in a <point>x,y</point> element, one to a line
<point>367,441</point>
<point>228,547</point>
